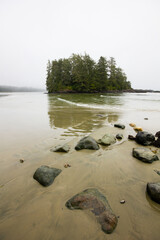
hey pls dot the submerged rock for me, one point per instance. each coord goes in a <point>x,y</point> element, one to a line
<point>119,136</point>
<point>87,143</point>
<point>144,154</point>
<point>153,190</point>
<point>118,125</point>
<point>59,148</point>
<point>107,139</point>
<point>93,200</point>
<point>145,138</point>
<point>45,175</point>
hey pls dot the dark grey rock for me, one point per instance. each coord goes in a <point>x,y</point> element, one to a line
<point>153,190</point>
<point>59,148</point>
<point>145,138</point>
<point>118,125</point>
<point>130,137</point>
<point>156,143</point>
<point>45,175</point>
<point>97,203</point>
<point>87,143</point>
<point>157,134</point>
<point>107,139</point>
<point>119,136</point>
<point>144,154</point>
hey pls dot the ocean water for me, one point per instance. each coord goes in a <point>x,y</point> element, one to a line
<point>32,123</point>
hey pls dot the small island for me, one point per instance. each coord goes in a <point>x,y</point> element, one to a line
<point>81,74</point>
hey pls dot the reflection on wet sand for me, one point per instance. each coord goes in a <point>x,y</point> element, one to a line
<point>75,119</point>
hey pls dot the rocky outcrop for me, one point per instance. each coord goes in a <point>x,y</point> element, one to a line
<point>153,190</point>
<point>59,148</point>
<point>107,139</point>
<point>87,143</point>
<point>145,138</point>
<point>144,154</point>
<point>45,175</point>
<point>118,125</point>
<point>93,200</point>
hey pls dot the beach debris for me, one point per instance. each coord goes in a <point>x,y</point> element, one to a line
<point>60,148</point>
<point>157,171</point>
<point>118,125</point>
<point>145,118</point>
<point>45,175</point>
<point>119,136</point>
<point>122,201</point>
<point>130,137</point>
<point>107,139</point>
<point>138,129</point>
<point>145,138</point>
<point>132,125</point>
<point>153,190</point>
<point>87,143</point>
<point>21,160</point>
<point>97,203</point>
<point>144,154</point>
<point>66,165</point>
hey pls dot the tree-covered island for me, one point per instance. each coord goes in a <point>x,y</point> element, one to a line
<point>82,74</point>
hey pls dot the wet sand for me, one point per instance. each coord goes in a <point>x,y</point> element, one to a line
<point>31,211</point>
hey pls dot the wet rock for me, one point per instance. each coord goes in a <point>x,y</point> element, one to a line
<point>156,143</point>
<point>144,154</point>
<point>130,137</point>
<point>59,148</point>
<point>107,139</point>
<point>145,138</point>
<point>118,125</point>
<point>87,143</point>
<point>157,171</point>
<point>153,190</point>
<point>45,175</point>
<point>138,129</point>
<point>93,200</point>
<point>157,134</point>
<point>119,136</point>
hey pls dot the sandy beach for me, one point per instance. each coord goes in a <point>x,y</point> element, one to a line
<point>31,211</point>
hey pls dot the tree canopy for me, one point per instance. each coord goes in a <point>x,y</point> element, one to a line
<point>80,73</point>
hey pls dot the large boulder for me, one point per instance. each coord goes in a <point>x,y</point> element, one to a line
<point>145,138</point>
<point>45,175</point>
<point>153,190</point>
<point>87,143</point>
<point>119,125</point>
<point>59,148</point>
<point>107,139</point>
<point>144,154</point>
<point>97,203</point>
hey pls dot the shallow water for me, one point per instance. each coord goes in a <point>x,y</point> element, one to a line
<point>31,123</point>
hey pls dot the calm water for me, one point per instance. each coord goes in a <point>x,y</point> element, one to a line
<point>31,123</point>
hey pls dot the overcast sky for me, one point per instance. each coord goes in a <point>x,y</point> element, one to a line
<point>33,31</point>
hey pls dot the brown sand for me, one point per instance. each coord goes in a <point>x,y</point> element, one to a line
<point>31,211</point>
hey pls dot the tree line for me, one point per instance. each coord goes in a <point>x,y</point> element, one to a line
<point>80,73</point>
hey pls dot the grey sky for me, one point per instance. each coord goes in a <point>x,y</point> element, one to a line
<point>33,31</point>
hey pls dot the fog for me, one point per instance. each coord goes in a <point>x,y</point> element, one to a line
<point>34,31</point>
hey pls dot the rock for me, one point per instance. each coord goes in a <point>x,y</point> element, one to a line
<point>157,171</point>
<point>144,154</point>
<point>93,200</point>
<point>21,160</point>
<point>145,138</point>
<point>118,125</point>
<point>157,134</point>
<point>59,148</point>
<point>87,143</point>
<point>122,201</point>
<point>153,190</point>
<point>145,118</point>
<point>132,125</point>
<point>156,143</point>
<point>107,139</point>
<point>119,136</point>
<point>45,175</point>
<point>130,137</point>
<point>138,129</point>
<point>66,165</point>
